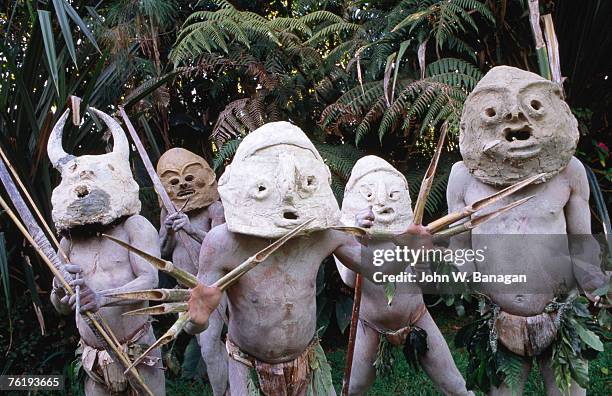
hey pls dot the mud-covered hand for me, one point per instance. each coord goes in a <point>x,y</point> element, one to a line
<point>415,237</point>
<point>364,219</point>
<point>202,303</point>
<point>90,299</point>
<point>179,221</point>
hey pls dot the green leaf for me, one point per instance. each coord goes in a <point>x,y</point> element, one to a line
<point>389,291</point>
<point>588,337</point>
<point>192,360</point>
<point>44,17</point>
<point>60,11</point>
<point>77,19</point>
<point>344,309</point>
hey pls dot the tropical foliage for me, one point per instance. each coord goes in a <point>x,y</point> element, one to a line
<point>360,77</point>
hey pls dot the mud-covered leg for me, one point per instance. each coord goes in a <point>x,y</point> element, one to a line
<point>505,390</point>
<point>548,376</point>
<point>438,362</point>
<point>93,388</point>
<point>363,372</point>
<point>153,376</point>
<point>238,374</point>
<point>213,351</point>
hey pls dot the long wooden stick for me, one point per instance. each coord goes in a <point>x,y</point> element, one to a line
<point>350,351</point>
<point>419,207</point>
<point>37,238</point>
<point>159,187</point>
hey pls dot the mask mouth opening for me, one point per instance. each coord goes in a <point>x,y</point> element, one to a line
<point>386,211</point>
<point>523,133</point>
<point>290,215</point>
<point>81,191</point>
<point>185,193</point>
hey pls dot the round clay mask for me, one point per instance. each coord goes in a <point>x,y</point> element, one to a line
<point>276,181</point>
<point>377,184</point>
<point>188,179</point>
<point>514,125</point>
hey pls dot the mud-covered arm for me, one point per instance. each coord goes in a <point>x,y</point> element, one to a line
<point>142,235</point>
<point>204,299</point>
<point>216,213</point>
<point>59,297</point>
<point>167,237</point>
<point>584,248</point>
<point>348,276</point>
<point>458,181</point>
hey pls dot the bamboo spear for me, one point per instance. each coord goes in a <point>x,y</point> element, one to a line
<point>450,218</point>
<point>160,309</point>
<point>36,237</point>
<point>157,184</point>
<point>427,182</point>
<point>475,222</point>
<point>223,283</point>
<point>168,295</point>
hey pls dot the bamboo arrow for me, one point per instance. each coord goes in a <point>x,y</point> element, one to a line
<point>475,222</point>
<point>168,295</point>
<point>160,309</point>
<point>223,283</point>
<point>450,218</point>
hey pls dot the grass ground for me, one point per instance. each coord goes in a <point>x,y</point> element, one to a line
<point>406,381</point>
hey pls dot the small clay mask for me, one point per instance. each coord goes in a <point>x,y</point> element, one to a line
<point>95,189</point>
<point>188,179</point>
<point>276,181</point>
<point>514,125</point>
<point>377,184</point>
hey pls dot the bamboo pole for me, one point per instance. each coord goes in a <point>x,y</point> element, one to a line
<point>350,352</point>
<point>159,187</point>
<point>427,182</point>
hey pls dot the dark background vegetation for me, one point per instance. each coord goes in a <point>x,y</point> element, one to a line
<point>201,75</point>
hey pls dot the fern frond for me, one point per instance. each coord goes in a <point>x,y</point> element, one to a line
<point>225,153</point>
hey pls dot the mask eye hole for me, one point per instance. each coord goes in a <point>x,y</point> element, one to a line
<point>174,181</point>
<point>259,190</point>
<point>309,183</point>
<point>189,178</point>
<point>367,193</point>
<point>535,104</point>
<point>490,112</point>
<point>394,195</point>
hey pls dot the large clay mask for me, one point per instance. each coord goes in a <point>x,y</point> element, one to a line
<point>276,181</point>
<point>377,184</point>
<point>188,179</point>
<point>95,189</point>
<point>515,124</point>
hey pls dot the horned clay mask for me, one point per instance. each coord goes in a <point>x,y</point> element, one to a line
<point>188,179</point>
<point>515,124</point>
<point>377,184</point>
<point>276,181</point>
<point>95,189</point>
